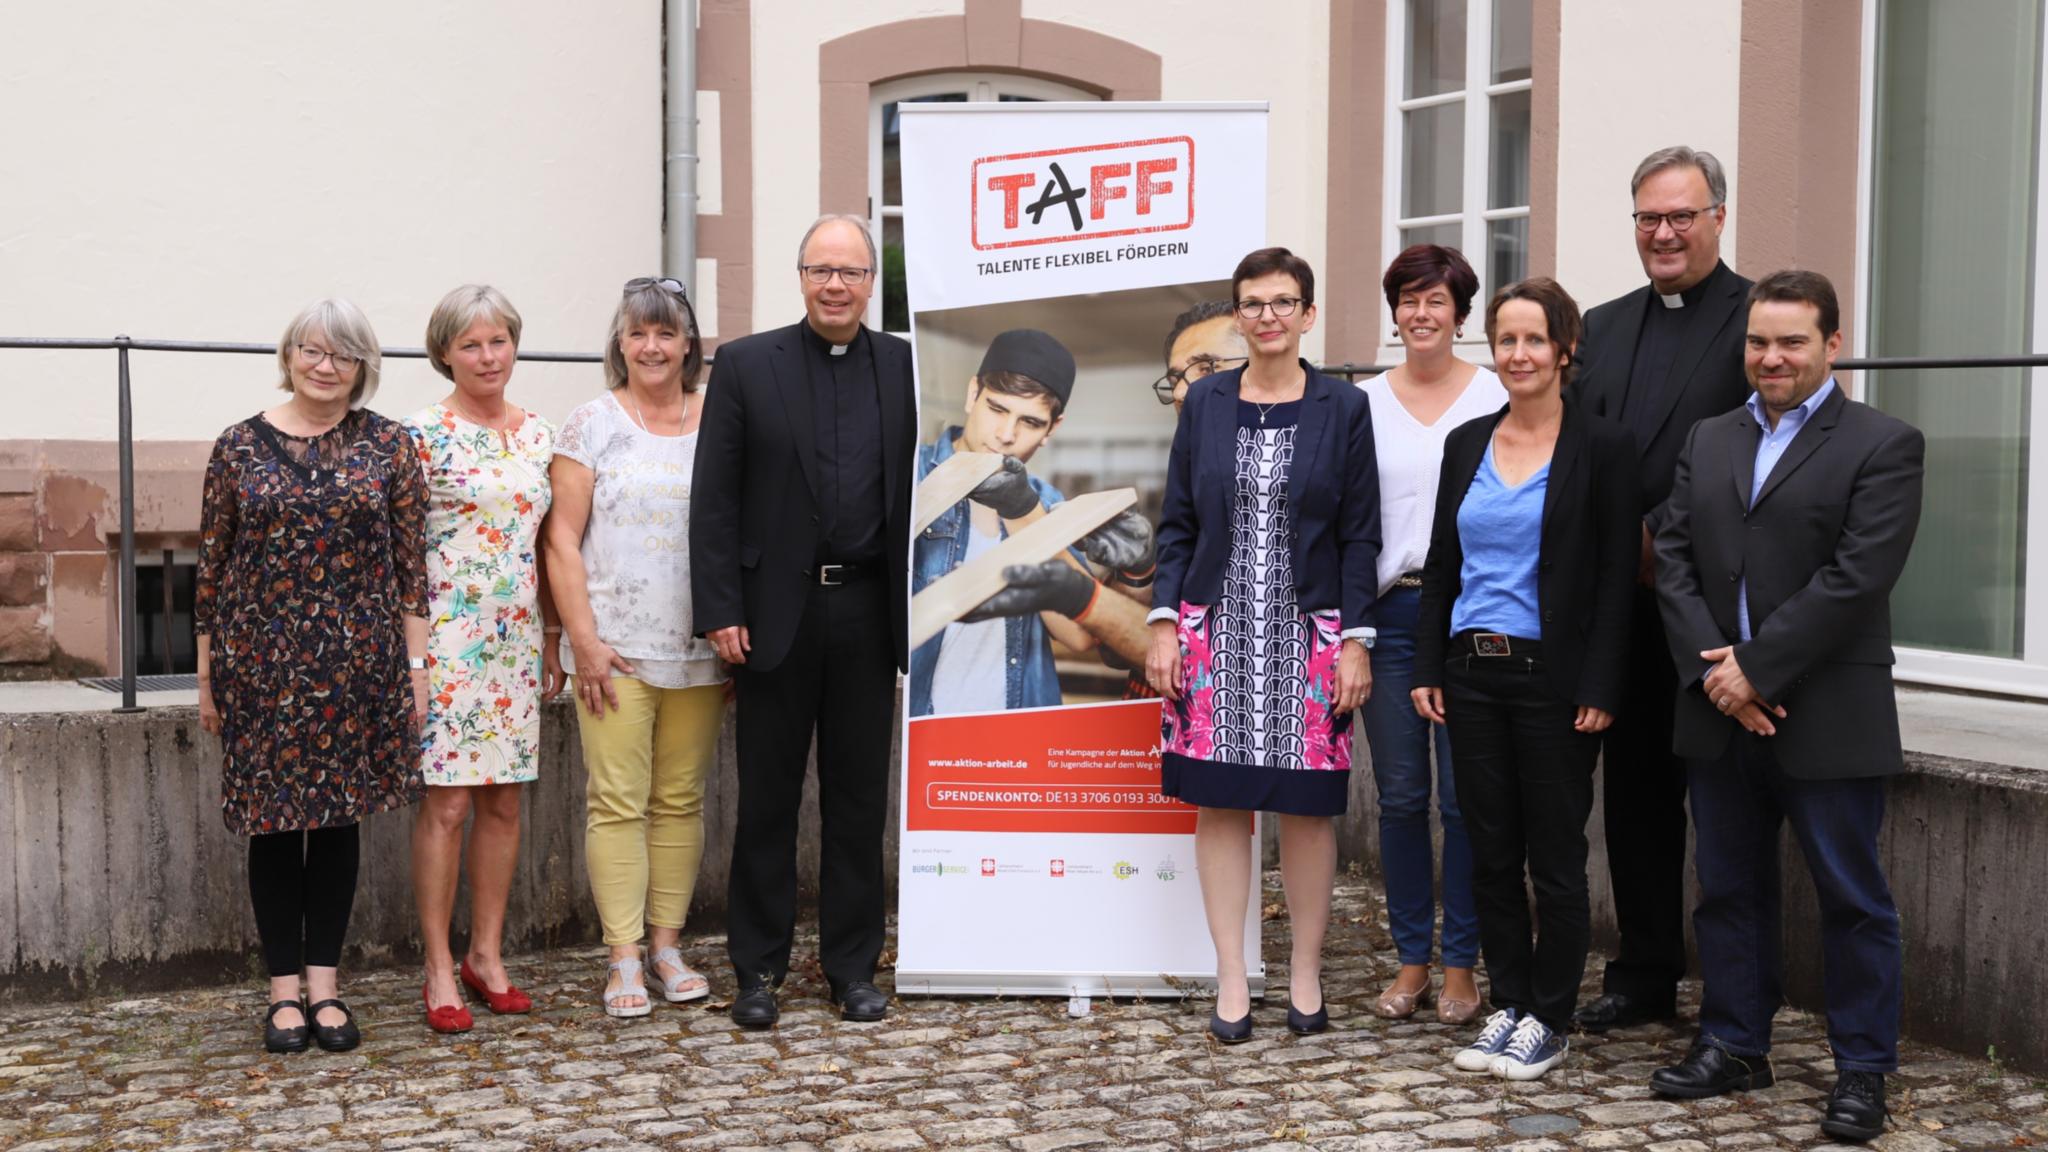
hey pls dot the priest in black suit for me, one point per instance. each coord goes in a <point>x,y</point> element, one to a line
<point>1658,360</point>
<point>799,572</point>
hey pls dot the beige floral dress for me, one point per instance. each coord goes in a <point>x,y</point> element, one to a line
<point>487,493</point>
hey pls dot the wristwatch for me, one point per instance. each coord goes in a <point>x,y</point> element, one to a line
<point>416,663</point>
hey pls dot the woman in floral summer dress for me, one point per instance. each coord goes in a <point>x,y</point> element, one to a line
<point>486,464</point>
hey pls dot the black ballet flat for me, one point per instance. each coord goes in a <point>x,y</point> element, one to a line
<point>277,1039</point>
<point>1308,1023</point>
<point>1231,1031</point>
<point>339,1038</point>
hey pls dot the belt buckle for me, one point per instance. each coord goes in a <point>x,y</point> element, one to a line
<point>1491,644</point>
<point>825,571</point>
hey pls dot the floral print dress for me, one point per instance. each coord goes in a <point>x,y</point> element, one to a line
<point>311,553</point>
<point>487,494</point>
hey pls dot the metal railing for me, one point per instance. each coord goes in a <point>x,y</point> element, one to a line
<point>121,346</point>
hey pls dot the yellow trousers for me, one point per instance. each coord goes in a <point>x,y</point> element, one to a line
<point>647,763</point>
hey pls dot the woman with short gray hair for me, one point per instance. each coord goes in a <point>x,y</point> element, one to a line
<point>310,604</point>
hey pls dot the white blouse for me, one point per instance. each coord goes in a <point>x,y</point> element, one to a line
<point>1411,456</point>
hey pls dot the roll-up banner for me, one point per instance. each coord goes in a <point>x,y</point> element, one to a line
<point>1051,251</point>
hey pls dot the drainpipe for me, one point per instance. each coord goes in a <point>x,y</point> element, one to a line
<point>679,109</point>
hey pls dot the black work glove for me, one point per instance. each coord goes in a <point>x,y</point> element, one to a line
<point>1008,492</point>
<point>1122,545</point>
<point>1054,586</point>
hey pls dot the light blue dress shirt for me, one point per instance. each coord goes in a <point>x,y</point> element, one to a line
<point>1770,446</point>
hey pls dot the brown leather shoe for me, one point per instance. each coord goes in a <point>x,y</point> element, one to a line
<point>1450,1010</point>
<point>1397,1005</point>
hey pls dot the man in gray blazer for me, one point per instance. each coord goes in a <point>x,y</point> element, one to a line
<point>1789,522</point>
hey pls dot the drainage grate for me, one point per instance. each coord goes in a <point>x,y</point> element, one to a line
<point>185,682</point>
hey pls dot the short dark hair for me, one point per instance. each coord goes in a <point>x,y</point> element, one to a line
<point>1267,261</point>
<point>1023,387</point>
<point>1201,313</point>
<point>1798,286</point>
<point>1426,266</point>
<point>1560,317</point>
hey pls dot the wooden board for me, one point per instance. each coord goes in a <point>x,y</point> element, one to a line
<point>959,591</point>
<point>948,484</point>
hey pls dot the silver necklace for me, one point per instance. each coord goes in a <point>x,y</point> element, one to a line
<point>642,416</point>
<point>1266,408</point>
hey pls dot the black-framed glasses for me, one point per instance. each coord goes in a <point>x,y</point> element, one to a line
<point>1177,378</point>
<point>310,357</point>
<point>823,273</point>
<point>1680,221</point>
<point>1283,307</point>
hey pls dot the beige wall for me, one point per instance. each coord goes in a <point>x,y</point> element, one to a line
<point>201,170</point>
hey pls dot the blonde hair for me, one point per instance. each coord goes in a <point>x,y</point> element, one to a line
<point>650,303</point>
<point>460,309</point>
<point>347,331</point>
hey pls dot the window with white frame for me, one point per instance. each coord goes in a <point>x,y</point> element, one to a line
<point>1457,160</point>
<point>889,307</point>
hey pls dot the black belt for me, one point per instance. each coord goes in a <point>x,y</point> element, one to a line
<point>838,575</point>
<point>1496,644</point>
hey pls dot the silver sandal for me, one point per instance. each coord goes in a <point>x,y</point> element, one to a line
<point>631,983</point>
<point>673,990</point>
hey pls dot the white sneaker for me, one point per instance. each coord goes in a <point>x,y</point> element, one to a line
<point>1493,1040</point>
<point>1530,1052</point>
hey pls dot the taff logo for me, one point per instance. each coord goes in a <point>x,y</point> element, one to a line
<point>1124,870</point>
<point>1086,193</point>
<point>1166,870</point>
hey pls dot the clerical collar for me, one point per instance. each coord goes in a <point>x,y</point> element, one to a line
<point>1686,299</point>
<point>818,341</point>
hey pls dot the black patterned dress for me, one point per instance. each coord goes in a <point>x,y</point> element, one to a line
<point>312,550</point>
<point>1253,727</point>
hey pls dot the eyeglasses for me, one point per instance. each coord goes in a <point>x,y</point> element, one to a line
<point>1680,221</point>
<point>1283,307</point>
<point>668,283</point>
<point>823,273</point>
<point>1177,378</point>
<point>310,358</point>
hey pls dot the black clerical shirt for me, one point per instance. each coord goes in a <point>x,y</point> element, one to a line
<point>846,410</point>
<point>1650,381</point>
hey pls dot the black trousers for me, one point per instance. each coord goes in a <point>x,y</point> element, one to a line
<point>1525,783</point>
<point>303,887</point>
<point>1643,786</point>
<point>838,679</point>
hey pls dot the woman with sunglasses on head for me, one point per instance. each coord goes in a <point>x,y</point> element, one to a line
<point>1262,614</point>
<point>649,695</point>
<point>486,463</point>
<point>310,616</point>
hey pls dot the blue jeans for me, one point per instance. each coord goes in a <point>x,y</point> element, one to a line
<point>1400,741</point>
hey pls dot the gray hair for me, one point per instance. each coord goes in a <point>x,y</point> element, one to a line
<point>860,222</point>
<point>346,330</point>
<point>651,304</point>
<point>1682,157</point>
<point>460,309</point>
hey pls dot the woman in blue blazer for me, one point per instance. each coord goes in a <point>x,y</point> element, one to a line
<point>1262,613</point>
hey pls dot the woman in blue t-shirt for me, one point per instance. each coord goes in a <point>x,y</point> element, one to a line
<point>1520,648</point>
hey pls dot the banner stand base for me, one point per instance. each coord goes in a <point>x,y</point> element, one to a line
<point>1076,989</point>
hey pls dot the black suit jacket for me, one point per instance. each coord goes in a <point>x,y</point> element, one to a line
<point>1586,559</point>
<point>753,499</point>
<point>1333,493</point>
<point>1821,549</point>
<point>1709,365</point>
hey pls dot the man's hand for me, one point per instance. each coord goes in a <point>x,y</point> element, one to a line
<point>1162,663</point>
<point>731,644</point>
<point>1122,545</point>
<point>1008,492</point>
<point>1730,692</point>
<point>1054,586</point>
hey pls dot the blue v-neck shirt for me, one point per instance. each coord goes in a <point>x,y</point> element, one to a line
<point>1501,528</point>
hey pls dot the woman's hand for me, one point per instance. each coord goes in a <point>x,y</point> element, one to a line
<point>1162,663</point>
<point>552,680</point>
<point>1429,704</point>
<point>422,694</point>
<point>209,716</point>
<point>1592,720</point>
<point>595,661</point>
<point>1354,677</point>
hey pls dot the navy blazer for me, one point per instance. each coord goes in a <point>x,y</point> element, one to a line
<point>1333,493</point>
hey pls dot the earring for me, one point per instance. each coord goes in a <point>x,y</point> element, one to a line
<point>1459,333</point>
<point>1394,331</point>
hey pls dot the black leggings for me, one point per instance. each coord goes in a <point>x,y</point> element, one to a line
<point>303,886</point>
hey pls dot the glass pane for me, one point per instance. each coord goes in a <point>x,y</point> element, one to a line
<point>1436,47</point>
<point>1507,252</point>
<point>1008,99</point>
<point>892,136</point>
<point>1510,40</point>
<point>895,291</point>
<point>1508,154</point>
<point>1451,235</point>
<point>1433,167</point>
<point>1952,233</point>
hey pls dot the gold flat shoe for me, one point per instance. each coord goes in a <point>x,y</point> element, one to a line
<point>1397,1005</point>
<point>1450,1010</point>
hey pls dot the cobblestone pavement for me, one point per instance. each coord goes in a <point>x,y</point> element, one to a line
<point>186,1071</point>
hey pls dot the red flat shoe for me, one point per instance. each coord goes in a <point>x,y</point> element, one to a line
<point>454,1018</point>
<point>510,1002</point>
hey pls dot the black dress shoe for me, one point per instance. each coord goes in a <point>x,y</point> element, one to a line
<point>1621,1010</point>
<point>1231,1031</point>
<point>1856,1109</point>
<point>277,1039</point>
<point>755,1007</point>
<point>1710,1071</point>
<point>862,1002</point>
<point>1307,1023</point>
<point>342,1036</point>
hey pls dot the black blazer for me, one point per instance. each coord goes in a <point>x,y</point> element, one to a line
<point>1333,490</point>
<point>1821,549</point>
<point>1709,364</point>
<point>1586,559</point>
<point>753,504</point>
